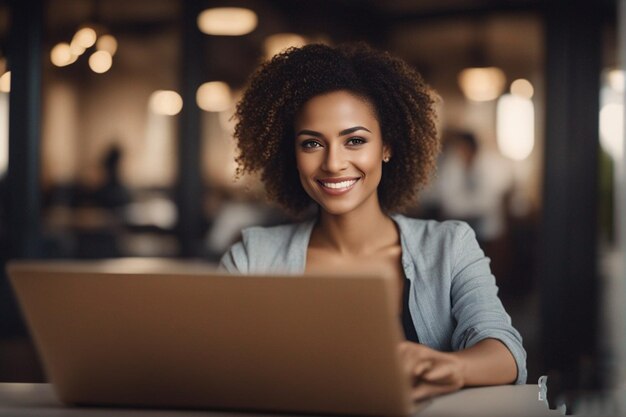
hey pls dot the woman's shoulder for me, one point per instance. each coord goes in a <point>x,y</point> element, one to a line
<point>432,241</point>
<point>431,229</point>
<point>275,234</point>
<point>263,249</point>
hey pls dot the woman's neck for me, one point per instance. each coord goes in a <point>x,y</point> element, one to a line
<point>363,231</point>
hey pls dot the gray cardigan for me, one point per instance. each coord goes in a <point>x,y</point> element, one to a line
<point>453,295</point>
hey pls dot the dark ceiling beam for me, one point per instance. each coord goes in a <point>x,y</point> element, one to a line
<point>341,20</point>
<point>463,11</point>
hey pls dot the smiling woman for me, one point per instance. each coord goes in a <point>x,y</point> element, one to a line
<point>351,130</point>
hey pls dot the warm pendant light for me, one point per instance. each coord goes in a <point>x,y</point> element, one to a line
<point>278,42</point>
<point>214,96</point>
<point>5,82</point>
<point>165,102</point>
<point>227,21</point>
<point>101,48</point>
<point>481,81</point>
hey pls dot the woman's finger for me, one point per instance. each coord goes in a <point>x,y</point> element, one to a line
<point>410,354</point>
<point>412,349</point>
<point>437,373</point>
<point>421,367</point>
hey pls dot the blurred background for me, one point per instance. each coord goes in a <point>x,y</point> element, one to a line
<point>116,141</point>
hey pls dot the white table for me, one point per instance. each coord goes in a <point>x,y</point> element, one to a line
<point>19,399</point>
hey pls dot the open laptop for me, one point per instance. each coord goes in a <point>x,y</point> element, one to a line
<point>155,333</point>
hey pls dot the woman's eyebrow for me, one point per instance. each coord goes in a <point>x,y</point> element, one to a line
<point>352,130</point>
<point>342,133</point>
<point>309,132</point>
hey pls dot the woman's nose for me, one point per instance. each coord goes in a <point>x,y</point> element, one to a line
<point>335,160</point>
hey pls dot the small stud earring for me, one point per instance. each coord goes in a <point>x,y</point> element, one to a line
<point>386,159</point>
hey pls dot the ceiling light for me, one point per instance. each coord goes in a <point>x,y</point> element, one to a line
<point>616,80</point>
<point>166,102</point>
<point>227,21</point>
<point>214,96</point>
<point>523,88</point>
<point>612,129</point>
<point>100,61</point>
<point>5,82</point>
<point>515,126</point>
<point>76,49</point>
<point>107,43</point>
<point>61,55</point>
<point>280,41</point>
<point>482,83</point>
<point>85,37</point>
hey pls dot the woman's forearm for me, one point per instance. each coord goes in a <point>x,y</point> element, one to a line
<point>488,362</point>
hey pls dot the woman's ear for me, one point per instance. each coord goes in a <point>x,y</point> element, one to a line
<point>386,153</point>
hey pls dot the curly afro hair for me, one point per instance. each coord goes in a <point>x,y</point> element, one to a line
<point>404,104</point>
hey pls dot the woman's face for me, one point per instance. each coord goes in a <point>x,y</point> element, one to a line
<point>339,151</point>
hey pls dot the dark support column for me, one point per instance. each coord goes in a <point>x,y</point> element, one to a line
<point>568,263</point>
<point>23,188</point>
<point>189,193</point>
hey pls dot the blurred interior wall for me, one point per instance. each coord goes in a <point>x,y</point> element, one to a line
<point>59,135</point>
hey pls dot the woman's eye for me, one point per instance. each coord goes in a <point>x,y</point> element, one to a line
<point>310,144</point>
<point>356,141</point>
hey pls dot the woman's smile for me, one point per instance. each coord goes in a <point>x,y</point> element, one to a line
<point>337,186</point>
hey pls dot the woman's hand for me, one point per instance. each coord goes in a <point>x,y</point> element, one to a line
<point>432,372</point>
<point>488,362</point>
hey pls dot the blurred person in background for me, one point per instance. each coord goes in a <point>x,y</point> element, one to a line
<point>474,184</point>
<point>112,193</point>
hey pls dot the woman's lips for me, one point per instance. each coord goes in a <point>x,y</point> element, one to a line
<point>337,186</point>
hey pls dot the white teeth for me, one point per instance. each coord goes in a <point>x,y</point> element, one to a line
<point>337,185</point>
